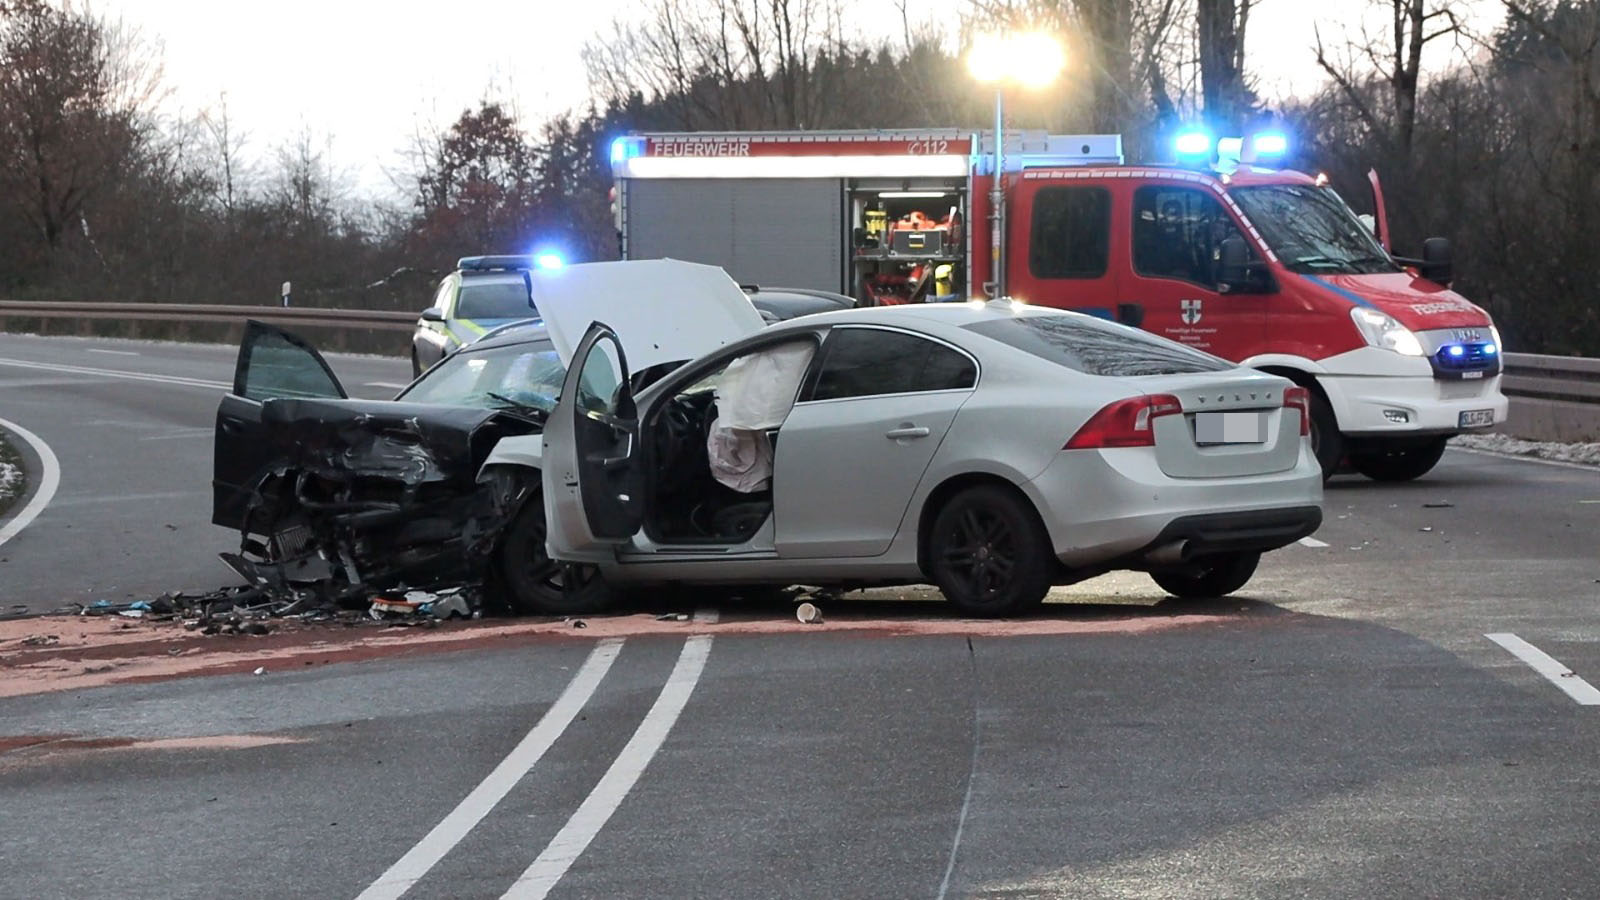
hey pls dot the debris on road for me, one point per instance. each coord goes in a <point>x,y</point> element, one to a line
<point>261,670</point>
<point>1438,504</point>
<point>808,614</point>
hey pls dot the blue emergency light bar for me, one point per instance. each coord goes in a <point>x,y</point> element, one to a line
<point>1192,143</point>
<point>494,263</point>
<point>548,260</point>
<point>1270,143</point>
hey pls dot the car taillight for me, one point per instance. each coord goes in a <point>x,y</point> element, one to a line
<point>1125,423</point>
<point>1299,398</point>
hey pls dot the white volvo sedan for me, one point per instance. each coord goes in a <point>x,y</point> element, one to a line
<point>993,449</point>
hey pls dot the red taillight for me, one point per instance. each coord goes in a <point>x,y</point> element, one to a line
<point>1299,398</point>
<point>1125,423</point>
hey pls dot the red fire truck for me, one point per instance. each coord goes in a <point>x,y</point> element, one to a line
<point>1264,266</point>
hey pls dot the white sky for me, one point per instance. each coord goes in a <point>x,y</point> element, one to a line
<point>368,75</point>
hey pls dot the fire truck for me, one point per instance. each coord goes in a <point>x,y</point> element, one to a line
<point>1218,250</point>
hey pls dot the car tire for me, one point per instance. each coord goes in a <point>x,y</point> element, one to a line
<point>1209,576</point>
<point>989,553</point>
<point>1399,463</point>
<point>1326,441</point>
<point>534,583</point>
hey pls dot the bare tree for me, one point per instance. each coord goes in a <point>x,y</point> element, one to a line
<point>227,145</point>
<point>1397,56</point>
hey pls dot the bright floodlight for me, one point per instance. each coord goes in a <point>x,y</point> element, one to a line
<point>1031,59</point>
<point>549,261</point>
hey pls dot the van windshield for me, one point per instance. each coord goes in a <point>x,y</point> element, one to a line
<point>1312,230</point>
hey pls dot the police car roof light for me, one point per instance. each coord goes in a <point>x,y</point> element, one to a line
<point>494,263</point>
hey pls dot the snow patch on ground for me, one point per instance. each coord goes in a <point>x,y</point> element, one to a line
<point>1582,453</point>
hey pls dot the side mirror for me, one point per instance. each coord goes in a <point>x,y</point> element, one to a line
<point>1438,261</point>
<point>1237,273</point>
<point>433,314</point>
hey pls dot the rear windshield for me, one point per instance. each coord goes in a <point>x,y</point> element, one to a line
<point>1086,344</point>
<point>494,300</point>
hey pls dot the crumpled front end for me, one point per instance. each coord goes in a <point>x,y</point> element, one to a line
<point>369,498</point>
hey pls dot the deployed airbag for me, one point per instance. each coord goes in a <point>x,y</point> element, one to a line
<point>755,394</point>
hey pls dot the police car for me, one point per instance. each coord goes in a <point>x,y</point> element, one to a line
<point>482,294</point>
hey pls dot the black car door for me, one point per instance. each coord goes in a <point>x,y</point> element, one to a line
<point>272,363</point>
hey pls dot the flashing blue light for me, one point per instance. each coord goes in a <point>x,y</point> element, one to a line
<point>1456,350</point>
<point>1192,143</point>
<point>619,149</point>
<point>1490,349</point>
<point>549,261</point>
<point>1271,144</point>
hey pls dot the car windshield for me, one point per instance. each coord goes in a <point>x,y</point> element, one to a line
<point>1086,344</point>
<point>1312,230</point>
<point>505,298</point>
<point>527,375</point>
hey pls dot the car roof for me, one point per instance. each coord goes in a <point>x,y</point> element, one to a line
<point>951,314</point>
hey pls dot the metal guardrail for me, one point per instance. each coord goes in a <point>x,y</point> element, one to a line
<point>301,316</point>
<point>1574,379</point>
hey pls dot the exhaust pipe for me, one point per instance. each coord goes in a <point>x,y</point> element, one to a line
<point>1175,553</point>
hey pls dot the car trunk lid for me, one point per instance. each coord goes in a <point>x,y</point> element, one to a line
<point>1233,424</point>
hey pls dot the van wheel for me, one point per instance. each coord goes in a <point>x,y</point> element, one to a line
<point>1327,444</point>
<point>535,583</point>
<point>989,554</point>
<point>1211,576</point>
<point>1399,463</point>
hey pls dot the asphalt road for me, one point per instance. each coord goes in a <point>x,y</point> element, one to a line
<point>1343,728</point>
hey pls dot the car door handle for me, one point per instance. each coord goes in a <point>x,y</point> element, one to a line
<point>906,431</point>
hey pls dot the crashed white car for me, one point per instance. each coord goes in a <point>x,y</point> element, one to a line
<point>993,449</point>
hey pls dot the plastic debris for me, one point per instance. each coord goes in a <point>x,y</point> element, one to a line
<point>673,617</point>
<point>262,670</point>
<point>1426,528</point>
<point>808,614</point>
<point>579,623</point>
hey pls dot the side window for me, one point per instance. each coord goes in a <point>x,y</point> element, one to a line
<point>1071,233</point>
<point>862,362</point>
<point>273,366</point>
<point>600,379</point>
<point>442,297</point>
<point>1177,233</point>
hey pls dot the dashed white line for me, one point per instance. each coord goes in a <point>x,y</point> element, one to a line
<point>49,480</point>
<point>574,837</point>
<point>1548,666</point>
<point>112,352</point>
<point>1312,542</point>
<point>409,869</point>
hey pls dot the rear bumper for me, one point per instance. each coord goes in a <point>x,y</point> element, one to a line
<point>1108,507</point>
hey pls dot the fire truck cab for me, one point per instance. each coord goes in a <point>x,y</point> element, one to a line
<point>1265,267</point>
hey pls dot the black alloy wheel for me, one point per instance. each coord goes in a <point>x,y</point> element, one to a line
<point>1399,463</point>
<point>534,582</point>
<point>1210,576</point>
<point>989,554</point>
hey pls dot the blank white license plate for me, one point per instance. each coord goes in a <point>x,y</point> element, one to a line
<point>1230,428</point>
<point>1472,417</point>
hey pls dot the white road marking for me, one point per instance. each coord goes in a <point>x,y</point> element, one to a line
<point>1548,666</point>
<point>117,373</point>
<point>112,352</point>
<point>1313,543</point>
<point>574,837</point>
<point>49,480</point>
<point>182,433</point>
<point>409,869</point>
<point>384,384</point>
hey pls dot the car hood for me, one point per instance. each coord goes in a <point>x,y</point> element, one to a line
<point>413,443</point>
<point>1416,303</point>
<point>662,310</point>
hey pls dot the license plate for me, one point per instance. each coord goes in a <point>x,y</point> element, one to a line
<point>1230,428</point>
<point>1474,417</point>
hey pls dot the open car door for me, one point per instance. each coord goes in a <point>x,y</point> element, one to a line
<point>593,483</point>
<point>272,363</point>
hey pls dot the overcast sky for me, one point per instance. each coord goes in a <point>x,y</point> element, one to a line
<point>369,74</point>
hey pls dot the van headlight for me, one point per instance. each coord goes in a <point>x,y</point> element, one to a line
<point>1381,330</point>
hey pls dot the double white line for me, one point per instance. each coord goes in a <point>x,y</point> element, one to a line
<point>569,843</point>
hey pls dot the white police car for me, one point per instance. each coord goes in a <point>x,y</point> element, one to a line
<point>482,294</point>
